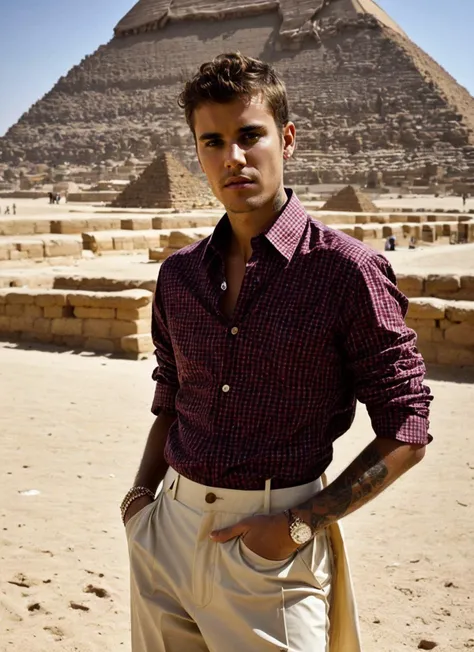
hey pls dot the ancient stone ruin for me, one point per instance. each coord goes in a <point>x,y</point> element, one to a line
<point>351,200</point>
<point>364,96</point>
<point>166,183</point>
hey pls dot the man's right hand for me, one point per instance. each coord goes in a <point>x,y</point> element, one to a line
<point>136,507</point>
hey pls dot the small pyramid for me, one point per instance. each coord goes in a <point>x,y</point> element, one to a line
<point>165,183</point>
<point>350,200</point>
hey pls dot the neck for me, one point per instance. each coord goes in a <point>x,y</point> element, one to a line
<point>246,226</point>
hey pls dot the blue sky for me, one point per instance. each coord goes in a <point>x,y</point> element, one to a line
<point>42,39</point>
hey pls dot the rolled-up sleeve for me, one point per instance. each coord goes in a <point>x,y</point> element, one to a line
<point>165,374</point>
<point>386,368</point>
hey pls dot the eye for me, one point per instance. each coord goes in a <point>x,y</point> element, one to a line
<point>251,138</point>
<point>213,143</point>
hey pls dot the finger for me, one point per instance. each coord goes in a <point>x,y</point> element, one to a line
<point>227,533</point>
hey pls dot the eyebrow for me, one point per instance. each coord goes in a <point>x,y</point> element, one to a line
<point>214,135</point>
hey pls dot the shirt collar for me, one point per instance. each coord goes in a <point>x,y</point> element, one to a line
<point>284,234</point>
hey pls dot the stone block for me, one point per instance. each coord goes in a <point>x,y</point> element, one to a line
<point>156,254</point>
<point>122,242</point>
<point>15,310</point>
<point>424,333</point>
<point>136,223</point>
<point>18,324</point>
<point>438,285</point>
<point>461,311</point>
<point>2,309</point>
<point>467,287</point>
<point>32,312</point>
<point>139,242</point>
<point>3,295</point>
<point>359,233</point>
<point>429,350</point>
<point>417,219</point>
<point>397,219</point>
<point>48,298</point>
<point>437,334</point>
<point>5,324</point>
<point>455,356</point>
<point>67,248</point>
<point>125,300</point>
<point>135,314</point>
<point>69,226</point>
<point>31,248</point>
<point>23,297</point>
<point>416,324</point>
<point>71,341</point>
<point>99,344</point>
<point>137,344</point>
<point>97,242</point>
<point>58,312</point>
<point>105,223</point>
<point>462,334</point>
<point>69,326</point>
<point>4,251</point>
<point>120,329</point>
<point>428,233</point>
<point>94,313</point>
<point>420,308</point>
<point>42,325</point>
<point>97,328</point>
<point>411,285</point>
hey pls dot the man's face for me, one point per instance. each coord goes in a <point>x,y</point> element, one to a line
<point>241,150</point>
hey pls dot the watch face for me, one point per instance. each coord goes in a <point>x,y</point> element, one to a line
<point>301,533</point>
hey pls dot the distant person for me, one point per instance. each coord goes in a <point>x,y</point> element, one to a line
<point>7,210</point>
<point>266,333</point>
<point>390,243</point>
<point>14,209</point>
<point>464,199</point>
<point>412,243</point>
<point>50,195</point>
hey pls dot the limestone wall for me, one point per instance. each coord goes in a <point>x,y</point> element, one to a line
<point>107,322</point>
<point>445,330</point>
<point>442,286</point>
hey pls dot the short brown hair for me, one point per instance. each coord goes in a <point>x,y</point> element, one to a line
<point>231,76</point>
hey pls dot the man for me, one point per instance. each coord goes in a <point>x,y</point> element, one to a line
<point>265,334</point>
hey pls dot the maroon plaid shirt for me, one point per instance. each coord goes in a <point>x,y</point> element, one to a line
<point>318,324</point>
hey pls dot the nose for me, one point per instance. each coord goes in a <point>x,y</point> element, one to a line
<point>235,157</point>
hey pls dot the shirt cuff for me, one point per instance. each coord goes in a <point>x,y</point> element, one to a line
<point>164,399</point>
<point>411,429</point>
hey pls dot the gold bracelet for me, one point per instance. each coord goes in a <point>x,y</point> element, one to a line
<point>133,494</point>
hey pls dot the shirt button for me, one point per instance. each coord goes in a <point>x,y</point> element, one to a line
<point>235,330</point>
<point>223,286</point>
<point>225,388</point>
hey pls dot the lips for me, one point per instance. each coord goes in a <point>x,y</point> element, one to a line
<point>238,182</point>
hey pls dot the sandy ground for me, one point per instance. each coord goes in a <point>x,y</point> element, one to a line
<point>72,429</point>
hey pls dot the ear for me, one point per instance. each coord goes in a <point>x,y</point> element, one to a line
<point>289,140</point>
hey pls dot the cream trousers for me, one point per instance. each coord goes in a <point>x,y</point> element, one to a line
<point>189,594</point>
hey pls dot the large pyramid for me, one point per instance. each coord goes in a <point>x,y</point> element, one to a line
<point>363,95</point>
<point>165,183</point>
<point>350,200</point>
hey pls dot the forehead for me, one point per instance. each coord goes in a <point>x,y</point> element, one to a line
<point>228,118</point>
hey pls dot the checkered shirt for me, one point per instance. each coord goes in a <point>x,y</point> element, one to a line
<point>319,323</point>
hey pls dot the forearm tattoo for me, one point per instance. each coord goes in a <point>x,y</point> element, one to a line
<point>361,481</point>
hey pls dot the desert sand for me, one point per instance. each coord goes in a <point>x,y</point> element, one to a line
<point>73,428</point>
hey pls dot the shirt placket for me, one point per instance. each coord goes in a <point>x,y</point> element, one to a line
<point>229,389</point>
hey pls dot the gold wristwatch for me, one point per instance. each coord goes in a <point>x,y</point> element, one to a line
<point>300,532</point>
